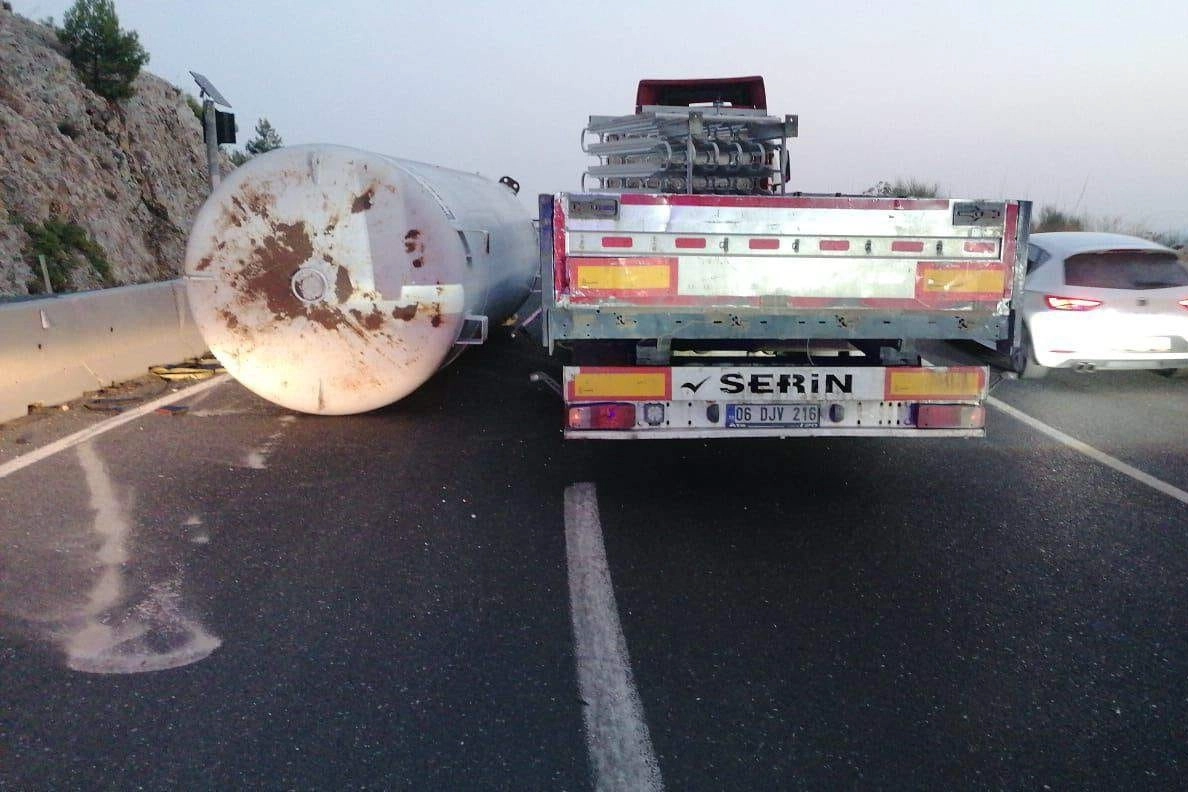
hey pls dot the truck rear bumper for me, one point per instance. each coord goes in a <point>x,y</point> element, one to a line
<point>627,402</point>
<point>706,434</point>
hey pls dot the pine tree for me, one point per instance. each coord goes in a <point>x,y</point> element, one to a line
<point>106,57</point>
<point>266,138</point>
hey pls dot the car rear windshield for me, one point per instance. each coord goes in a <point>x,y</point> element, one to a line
<point>1125,269</point>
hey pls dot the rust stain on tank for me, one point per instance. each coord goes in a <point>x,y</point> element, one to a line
<point>230,319</point>
<point>260,203</point>
<point>269,273</point>
<point>342,284</point>
<point>363,202</point>
<point>230,218</point>
<point>204,263</point>
<point>436,319</point>
<point>418,262</point>
<point>372,321</point>
<point>412,240</point>
<point>405,313</point>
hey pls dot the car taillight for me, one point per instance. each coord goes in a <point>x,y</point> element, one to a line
<point>602,416</point>
<point>1071,303</point>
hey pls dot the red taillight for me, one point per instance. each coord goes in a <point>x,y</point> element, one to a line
<point>1071,303</point>
<point>950,416</point>
<point>602,416</point>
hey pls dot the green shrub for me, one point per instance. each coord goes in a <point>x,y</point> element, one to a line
<point>61,243</point>
<point>266,139</point>
<point>1052,219</point>
<point>196,108</point>
<point>106,58</point>
<point>904,188</point>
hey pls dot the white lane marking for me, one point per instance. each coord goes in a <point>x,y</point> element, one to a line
<point>621,755</point>
<point>23,461</point>
<point>257,458</point>
<point>1090,451</point>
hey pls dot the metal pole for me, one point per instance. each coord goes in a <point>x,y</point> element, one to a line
<point>212,143</point>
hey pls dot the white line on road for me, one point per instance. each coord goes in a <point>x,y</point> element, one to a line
<point>25,460</point>
<point>621,755</point>
<point>1090,451</point>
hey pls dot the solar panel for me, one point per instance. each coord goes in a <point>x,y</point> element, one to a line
<point>208,89</point>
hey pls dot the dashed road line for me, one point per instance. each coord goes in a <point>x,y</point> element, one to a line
<point>620,747</point>
<point>1091,452</point>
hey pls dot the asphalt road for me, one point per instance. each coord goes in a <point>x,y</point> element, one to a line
<point>384,601</point>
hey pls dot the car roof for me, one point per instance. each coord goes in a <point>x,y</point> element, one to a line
<point>1063,244</point>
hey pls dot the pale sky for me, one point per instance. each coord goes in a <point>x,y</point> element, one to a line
<point>1078,104</point>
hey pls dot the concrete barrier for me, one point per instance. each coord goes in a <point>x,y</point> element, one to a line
<point>53,350</point>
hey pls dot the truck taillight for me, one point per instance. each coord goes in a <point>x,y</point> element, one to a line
<point>602,416</point>
<point>950,416</point>
<point>1071,303</point>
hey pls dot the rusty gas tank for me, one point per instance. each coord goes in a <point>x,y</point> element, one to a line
<point>331,280</point>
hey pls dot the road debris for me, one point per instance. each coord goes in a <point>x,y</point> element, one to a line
<point>202,368</point>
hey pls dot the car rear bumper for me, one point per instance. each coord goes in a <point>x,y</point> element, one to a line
<point>1114,364</point>
<point>1083,340</point>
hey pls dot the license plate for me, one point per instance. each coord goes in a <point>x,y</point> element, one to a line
<point>1149,344</point>
<point>780,416</point>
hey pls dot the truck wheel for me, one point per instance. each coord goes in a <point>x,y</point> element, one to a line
<point>1174,373</point>
<point>1023,359</point>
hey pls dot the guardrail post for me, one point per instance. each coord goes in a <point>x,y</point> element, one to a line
<point>49,289</point>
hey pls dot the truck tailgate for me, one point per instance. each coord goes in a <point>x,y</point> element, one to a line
<point>631,265</point>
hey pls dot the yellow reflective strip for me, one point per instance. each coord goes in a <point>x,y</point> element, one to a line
<point>644,386</point>
<point>914,383</point>
<point>648,276</point>
<point>973,281</point>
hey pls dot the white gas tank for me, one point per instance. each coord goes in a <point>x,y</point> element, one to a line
<point>333,281</point>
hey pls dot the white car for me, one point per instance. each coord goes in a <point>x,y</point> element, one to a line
<point>1102,301</point>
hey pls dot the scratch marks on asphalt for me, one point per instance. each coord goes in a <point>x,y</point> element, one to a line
<point>108,634</point>
<point>620,747</point>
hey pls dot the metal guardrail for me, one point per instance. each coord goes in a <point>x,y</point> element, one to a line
<point>53,350</point>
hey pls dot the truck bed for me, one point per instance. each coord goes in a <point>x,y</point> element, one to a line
<point>716,268</point>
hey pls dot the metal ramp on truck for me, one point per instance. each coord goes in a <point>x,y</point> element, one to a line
<point>692,137</point>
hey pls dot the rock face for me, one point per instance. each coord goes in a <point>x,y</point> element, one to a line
<point>132,174</point>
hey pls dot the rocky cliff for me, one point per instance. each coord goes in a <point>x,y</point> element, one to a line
<point>130,174</point>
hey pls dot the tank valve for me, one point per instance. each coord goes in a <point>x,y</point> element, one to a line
<point>309,285</point>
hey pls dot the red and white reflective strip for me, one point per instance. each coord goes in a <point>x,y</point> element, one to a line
<point>593,243</point>
<point>796,282</point>
<point>860,203</point>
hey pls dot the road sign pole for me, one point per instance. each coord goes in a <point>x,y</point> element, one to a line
<point>212,143</point>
